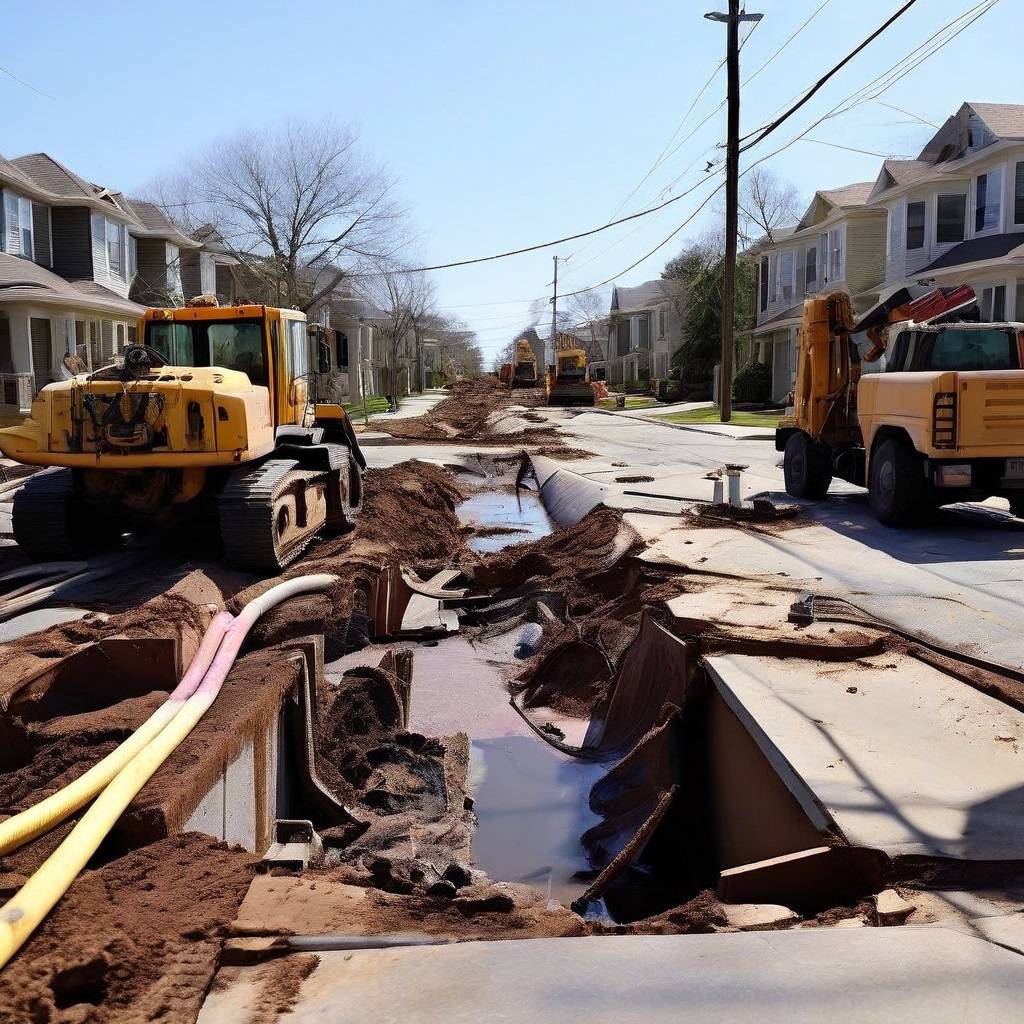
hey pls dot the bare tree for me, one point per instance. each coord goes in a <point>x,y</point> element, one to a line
<point>766,204</point>
<point>407,300</point>
<point>294,205</point>
<point>590,312</point>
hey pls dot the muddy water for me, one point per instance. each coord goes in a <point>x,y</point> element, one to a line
<point>531,802</point>
<point>522,514</point>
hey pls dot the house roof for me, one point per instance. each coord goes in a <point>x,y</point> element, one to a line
<point>53,177</point>
<point>12,172</point>
<point>24,281</point>
<point>990,247</point>
<point>641,296</point>
<point>848,195</point>
<point>155,222</point>
<point>793,313</point>
<point>355,308</point>
<point>1005,119</point>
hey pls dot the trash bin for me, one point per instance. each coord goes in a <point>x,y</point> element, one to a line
<point>620,401</point>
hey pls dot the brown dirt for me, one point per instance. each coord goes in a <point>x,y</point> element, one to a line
<point>279,983</point>
<point>136,940</point>
<point>463,417</point>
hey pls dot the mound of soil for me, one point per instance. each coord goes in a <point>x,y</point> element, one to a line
<point>136,940</point>
<point>466,416</point>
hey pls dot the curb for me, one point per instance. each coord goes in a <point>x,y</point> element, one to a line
<point>681,426</point>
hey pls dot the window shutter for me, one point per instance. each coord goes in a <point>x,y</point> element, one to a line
<point>41,234</point>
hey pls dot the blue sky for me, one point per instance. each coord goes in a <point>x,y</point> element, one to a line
<point>505,123</point>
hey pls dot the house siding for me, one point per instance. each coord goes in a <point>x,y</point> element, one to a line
<point>72,242</point>
<point>865,254</point>
<point>41,234</point>
<point>191,278</point>
<point>150,285</point>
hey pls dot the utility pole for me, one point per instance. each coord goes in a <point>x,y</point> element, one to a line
<point>554,315</point>
<point>732,180</point>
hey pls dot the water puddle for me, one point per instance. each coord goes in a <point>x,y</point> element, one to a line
<point>504,519</point>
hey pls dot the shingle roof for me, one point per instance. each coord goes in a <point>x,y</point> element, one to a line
<point>793,313</point>
<point>10,171</point>
<point>991,247</point>
<point>1005,119</point>
<point>54,177</point>
<point>641,296</point>
<point>22,280</point>
<point>849,195</point>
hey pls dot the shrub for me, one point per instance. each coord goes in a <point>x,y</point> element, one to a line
<point>753,384</point>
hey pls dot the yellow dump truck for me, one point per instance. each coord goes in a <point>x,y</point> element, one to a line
<point>524,367</point>
<point>943,423</point>
<point>215,405</point>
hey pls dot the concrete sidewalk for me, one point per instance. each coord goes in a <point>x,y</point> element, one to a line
<point>656,416</point>
<point>413,405</point>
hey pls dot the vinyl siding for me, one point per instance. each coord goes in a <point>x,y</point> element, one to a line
<point>191,276</point>
<point>41,234</point>
<point>150,285</point>
<point>865,254</point>
<point>72,242</point>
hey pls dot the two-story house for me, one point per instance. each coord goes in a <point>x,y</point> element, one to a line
<point>839,243</point>
<point>643,333</point>
<point>66,262</point>
<point>955,215</point>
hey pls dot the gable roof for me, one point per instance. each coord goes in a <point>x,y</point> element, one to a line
<point>826,200</point>
<point>54,177</point>
<point>1006,120</point>
<point>641,296</point>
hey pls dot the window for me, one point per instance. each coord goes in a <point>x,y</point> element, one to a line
<point>764,283</point>
<point>773,273</point>
<point>951,215</point>
<point>661,323</point>
<point>17,234</point>
<point>120,330</point>
<point>972,350</point>
<point>915,225</point>
<point>1018,195</point>
<point>787,276</point>
<point>115,248</point>
<point>993,303</point>
<point>298,348</point>
<point>173,257</point>
<point>622,338</point>
<point>986,200</point>
<point>811,266</point>
<point>133,258</point>
<point>643,332</point>
<point>234,345</point>
<point>836,263</point>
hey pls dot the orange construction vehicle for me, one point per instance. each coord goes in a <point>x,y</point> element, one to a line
<point>943,423</point>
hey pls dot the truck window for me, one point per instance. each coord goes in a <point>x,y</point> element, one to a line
<point>971,350</point>
<point>173,341</point>
<point>232,344</point>
<point>898,357</point>
<point>298,348</point>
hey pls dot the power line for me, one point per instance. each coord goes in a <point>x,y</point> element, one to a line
<point>916,117</point>
<point>28,85</point>
<point>763,133</point>
<point>853,149</point>
<point>810,17</point>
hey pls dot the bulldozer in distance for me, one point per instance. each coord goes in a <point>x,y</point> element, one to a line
<point>214,406</point>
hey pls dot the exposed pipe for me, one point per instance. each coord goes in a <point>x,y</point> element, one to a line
<point>41,817</point>
<point>26,909</point>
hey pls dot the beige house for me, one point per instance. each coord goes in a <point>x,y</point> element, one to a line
<point>839,243</point>
<point>643,332</point>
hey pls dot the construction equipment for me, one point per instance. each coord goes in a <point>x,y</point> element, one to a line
<point>214,409</point>
<point>567,381</point>
<point>943,423</point>
<point>524,368</point>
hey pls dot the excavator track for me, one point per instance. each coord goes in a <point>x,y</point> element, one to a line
<point>270,514</point>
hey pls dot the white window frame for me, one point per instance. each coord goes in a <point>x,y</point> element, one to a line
<point>999,171</point>
<point>788,287</point>
<point>98,219</point>
<point>773,278</point>
<point>808,263</point>
<point>22,210</point>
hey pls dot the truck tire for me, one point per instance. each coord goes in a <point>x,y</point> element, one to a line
<point>897,489</point>
<point>807,467</point>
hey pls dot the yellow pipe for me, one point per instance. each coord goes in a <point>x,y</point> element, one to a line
<point>21,915</point>
<point>41,817</point>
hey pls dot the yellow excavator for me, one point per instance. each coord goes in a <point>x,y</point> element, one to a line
<point>524,367</point>
<point>213,407</point>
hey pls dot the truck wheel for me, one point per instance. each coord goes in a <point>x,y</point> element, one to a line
<point>807,467</point>
<point>897,489</point>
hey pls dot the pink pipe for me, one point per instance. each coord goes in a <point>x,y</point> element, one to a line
<point>211,642</point>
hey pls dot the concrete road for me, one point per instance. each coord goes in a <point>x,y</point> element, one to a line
<point>960,576</point>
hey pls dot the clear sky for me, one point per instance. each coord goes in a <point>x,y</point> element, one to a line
<point>505,123</point>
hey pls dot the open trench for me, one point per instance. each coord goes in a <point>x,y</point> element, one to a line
<point>538,751</point>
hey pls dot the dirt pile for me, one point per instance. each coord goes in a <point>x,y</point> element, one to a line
<point>136,940</point>
<point>468,415</point>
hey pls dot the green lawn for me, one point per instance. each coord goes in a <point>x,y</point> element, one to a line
<point>713,415</point>
<point>374,404</point>
<point>632,402</point>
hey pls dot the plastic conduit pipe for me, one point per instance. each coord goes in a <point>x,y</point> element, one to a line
<point>21,914</point>
<point>43,816</point>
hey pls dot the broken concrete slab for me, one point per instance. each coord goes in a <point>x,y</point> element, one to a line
<point>758,917</point>
<point>891,908</point>
<point>909,764</point>
<point>795,976</point>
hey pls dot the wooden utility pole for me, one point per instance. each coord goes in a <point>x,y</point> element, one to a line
<point>732,181</point>
<point>554,316</point>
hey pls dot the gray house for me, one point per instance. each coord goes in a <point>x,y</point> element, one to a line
<point>643,332</point>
